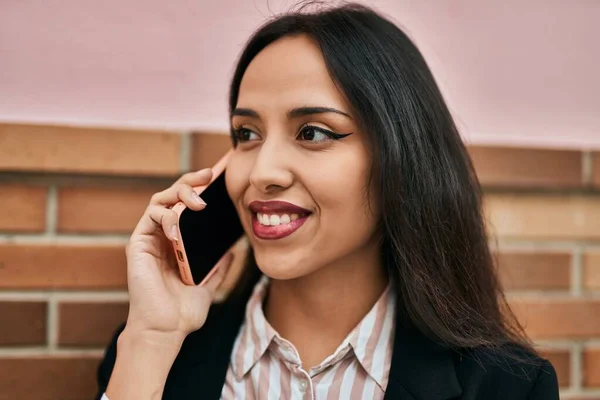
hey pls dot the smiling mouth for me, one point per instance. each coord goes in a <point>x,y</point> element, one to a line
<point>276,226</point>
<point>276,219</point>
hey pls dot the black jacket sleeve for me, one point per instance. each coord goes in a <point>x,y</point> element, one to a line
<point>107,364</point>
<point>545,386</point>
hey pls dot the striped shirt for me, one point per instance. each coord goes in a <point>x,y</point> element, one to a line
<point>266,366</point>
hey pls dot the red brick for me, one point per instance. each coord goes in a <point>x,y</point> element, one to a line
<point>208,148</point>
<point>48,378</point>
<point>28,266</point>
<point>23,208</point>
<point>101,209</point>
<point>89,324</point>
<point>558,318</point>
<point>591,367</point>
<point>527,167</point>
<point>88,150</point>
<point>591,270</point>
<point>22,323</point>
<point>521,270</point>
<point>543,216</point>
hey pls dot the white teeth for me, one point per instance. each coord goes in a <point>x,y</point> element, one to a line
<point>275,220</point>
<point>264,219</point>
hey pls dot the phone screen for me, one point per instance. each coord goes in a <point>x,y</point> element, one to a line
<point>207,234</point>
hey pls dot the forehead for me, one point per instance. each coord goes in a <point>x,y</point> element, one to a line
<point>289,72</point>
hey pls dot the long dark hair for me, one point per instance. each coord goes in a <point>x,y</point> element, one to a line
<point>434,239</point>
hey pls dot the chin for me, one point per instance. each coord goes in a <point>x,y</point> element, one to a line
<point>280,267</point>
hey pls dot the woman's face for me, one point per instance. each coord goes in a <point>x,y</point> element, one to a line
<point>299,173</point>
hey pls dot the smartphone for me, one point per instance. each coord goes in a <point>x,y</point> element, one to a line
<point>206,235</point>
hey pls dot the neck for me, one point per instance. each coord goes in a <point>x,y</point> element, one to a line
<point>316,312</point>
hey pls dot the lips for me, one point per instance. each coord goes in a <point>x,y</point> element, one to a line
<point>273,220</point>
<point>276,207</point>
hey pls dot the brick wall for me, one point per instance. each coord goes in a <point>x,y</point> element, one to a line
<point>70,196</point>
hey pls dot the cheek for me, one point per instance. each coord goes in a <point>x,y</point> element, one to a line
<point>236,179</point>
<point>342,198</point>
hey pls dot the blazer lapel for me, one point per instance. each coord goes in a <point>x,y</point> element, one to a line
<point>420,369</point>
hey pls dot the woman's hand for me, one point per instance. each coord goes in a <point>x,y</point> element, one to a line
<point>162,309</point>
<point>160,303</point>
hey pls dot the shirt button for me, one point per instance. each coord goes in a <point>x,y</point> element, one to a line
<point>303,385</point>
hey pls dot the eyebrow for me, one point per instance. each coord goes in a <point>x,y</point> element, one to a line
<point>294,113</point>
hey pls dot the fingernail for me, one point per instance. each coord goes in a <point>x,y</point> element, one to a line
<point>199,200</point>
<point>174,233</point>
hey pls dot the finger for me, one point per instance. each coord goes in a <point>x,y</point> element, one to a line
<point>167,219</point>
<point>222,267</point>
<point>169,224</point>
<point>182,192</point>
<point>170,196</point>
<point>157,217</point>
<point>190,198</point>
<point>195,178</point>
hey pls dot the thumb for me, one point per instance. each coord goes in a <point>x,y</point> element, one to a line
<point>220,273</point>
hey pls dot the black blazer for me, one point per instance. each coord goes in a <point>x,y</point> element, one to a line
<point>420,369</point>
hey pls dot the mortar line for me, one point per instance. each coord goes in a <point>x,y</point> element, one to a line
<point>545,244</point>
<point>591,394</point>
<point>17,295</point>
<point>23,352</point>
<point>590,247</point>
<point>576,272</point>
<point>79,352</point>
<point>46,238</point>
<point>116,297</point>
<point>550,294</point>
<point>52,323</point>
<point>547,247</point>
<point>576,367</point>
<point>593,343</point>
<point>185,152</point>
<point>51,210</point>
<point>554,344</point>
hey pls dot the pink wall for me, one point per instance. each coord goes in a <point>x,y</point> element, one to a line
<point>523,73</point>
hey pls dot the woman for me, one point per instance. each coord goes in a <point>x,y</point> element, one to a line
<point>369,275</point>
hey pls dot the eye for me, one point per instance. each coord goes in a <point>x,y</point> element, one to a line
<point>317,134</point>
<point>244,134</point>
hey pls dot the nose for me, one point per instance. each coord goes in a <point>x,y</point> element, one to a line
<point>270,172</point>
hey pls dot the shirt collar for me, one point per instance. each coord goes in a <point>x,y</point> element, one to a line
<point>371,340</point>
<point>256,333</point>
